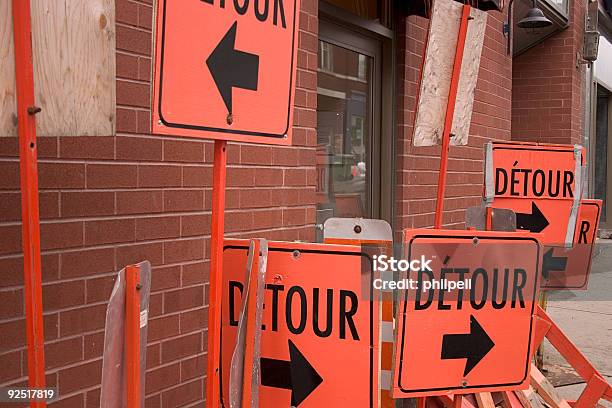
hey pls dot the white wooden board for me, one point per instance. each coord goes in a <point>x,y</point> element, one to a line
<point>73,45</point>
<point>437,70</point>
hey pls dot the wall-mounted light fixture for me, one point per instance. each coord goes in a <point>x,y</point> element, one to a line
<point>532,22</point>
<point>534,19</point>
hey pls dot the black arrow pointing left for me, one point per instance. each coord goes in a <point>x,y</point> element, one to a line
<point>472,346</point>
<point>296,375</point>
<point>231,68</point>
<point>553,263</point>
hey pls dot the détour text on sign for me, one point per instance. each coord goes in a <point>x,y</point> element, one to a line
<point>524,182</point>
<point>263,10</point>
<point>326,312</point>
<point>501,287</point>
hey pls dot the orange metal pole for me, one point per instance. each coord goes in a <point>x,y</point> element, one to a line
<point>26,110</point>
<point>450,111</point>
<point>132,335</point>
<point>216,269</point>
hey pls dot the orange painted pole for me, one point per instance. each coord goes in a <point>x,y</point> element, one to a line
<point>26,111</point>
<point>132,335</point>
<point>450,111</point>
<point>213,382</point>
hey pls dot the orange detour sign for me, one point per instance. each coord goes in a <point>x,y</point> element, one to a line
<point>541,183</point>
<point>319,330</point>
<point>467,325</point>
<point>569,268</point>
<point>225,70</point>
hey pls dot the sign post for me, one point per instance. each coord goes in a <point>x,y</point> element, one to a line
<point>216,271</point>
<point>235,82</point>
<point>455,340</point>
<point>125,338</point>
<point>132,335</point>
<point>450,111</point>
<point>30,216</point>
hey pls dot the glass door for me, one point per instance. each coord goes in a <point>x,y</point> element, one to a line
<point>348,124</point>
<point>603,156</point>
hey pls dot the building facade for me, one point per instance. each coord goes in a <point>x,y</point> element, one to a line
<point>108,201</point>
<point>598,132</point>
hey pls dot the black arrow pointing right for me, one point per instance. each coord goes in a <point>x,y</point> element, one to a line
<point>231,68</point>
<point>472,346</point>
<point>553,263</point>
<point>296,375</point>
<point>534,221</point>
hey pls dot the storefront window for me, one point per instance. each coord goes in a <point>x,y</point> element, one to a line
<point>344,105</point>
<point>602,153</point>
<point>560,5</point>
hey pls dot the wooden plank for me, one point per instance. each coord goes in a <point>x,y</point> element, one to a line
<point>546,390</point>
<point>94,81</point>
<point>436,74</point>
<point>73,45</point>
<point>8,102</point>
<point>470,66</point>
<point>449,401</point>
<point>529,398</point>
<point>510,400</point>
<point>484,400</point>
<point>51,71</point>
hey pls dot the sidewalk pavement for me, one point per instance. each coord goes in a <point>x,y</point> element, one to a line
<point>586,318</point>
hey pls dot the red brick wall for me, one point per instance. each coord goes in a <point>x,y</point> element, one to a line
<point>417,167</point>
<point>547,104</point>
<point>110,201</point>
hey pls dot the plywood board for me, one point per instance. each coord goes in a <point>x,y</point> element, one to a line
<point>437,70</point>
<point>73,45</point>
<point>8,120</point>
<point>469,76</point>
